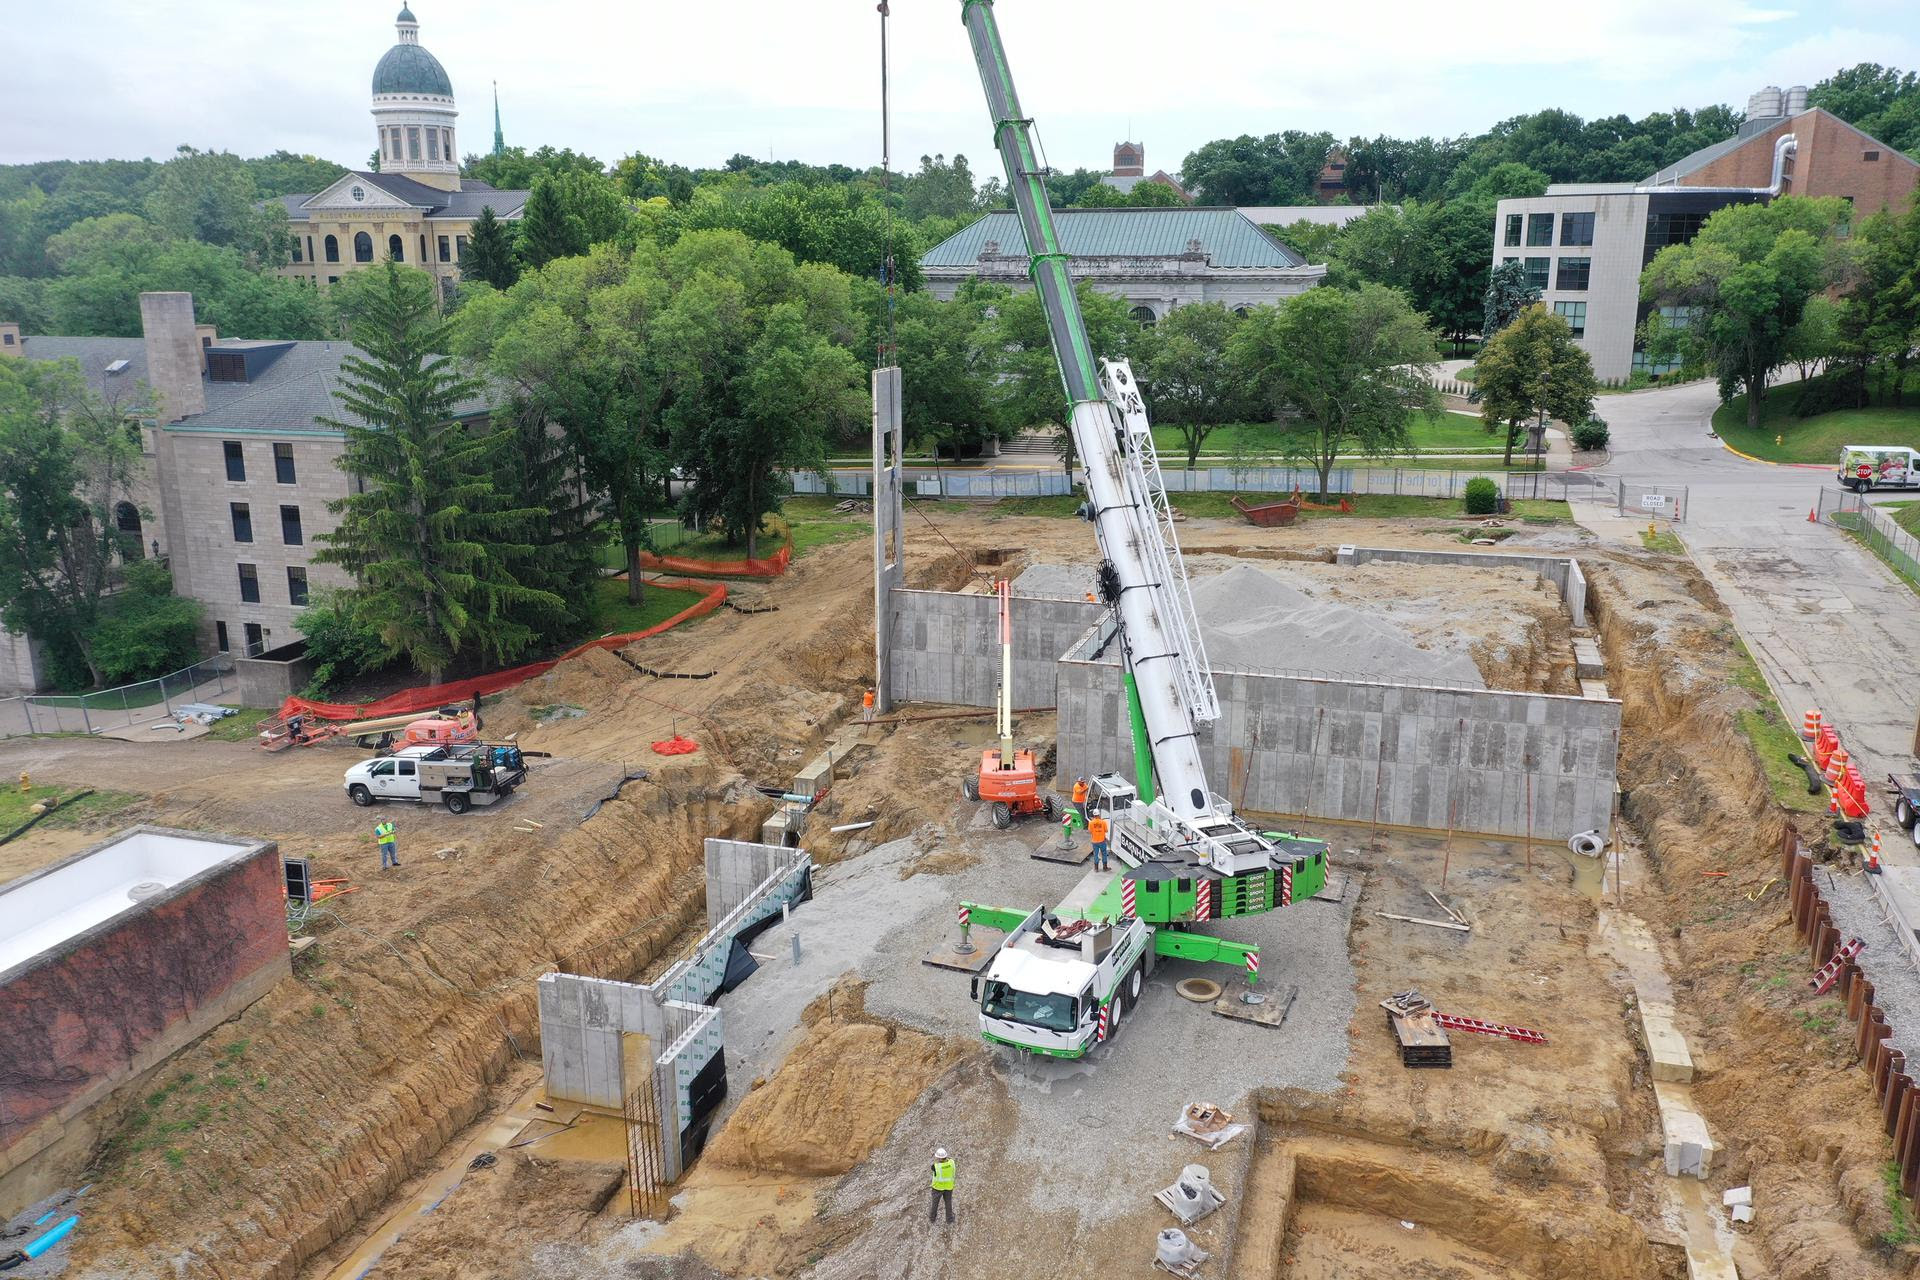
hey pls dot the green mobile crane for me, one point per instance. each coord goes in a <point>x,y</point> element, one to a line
<point>1061,981</point>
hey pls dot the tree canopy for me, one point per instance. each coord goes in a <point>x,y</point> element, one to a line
<point>1530,368</point>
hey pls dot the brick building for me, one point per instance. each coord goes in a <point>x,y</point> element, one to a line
<point>1584,245</point>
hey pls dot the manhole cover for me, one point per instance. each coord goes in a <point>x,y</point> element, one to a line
<point>1198,990</point>
<point>146,889</point>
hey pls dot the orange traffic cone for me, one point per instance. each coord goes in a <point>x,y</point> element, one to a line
<point>1873,858</point>
<point>1810,727</point>
<point>1811,517</point>
<point>1833,806</point>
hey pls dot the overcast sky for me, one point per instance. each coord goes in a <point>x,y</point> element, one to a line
<point>799,79</point>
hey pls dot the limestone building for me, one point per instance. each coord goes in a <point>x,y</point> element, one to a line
<point>1156,259</point>
<point>416,208</point>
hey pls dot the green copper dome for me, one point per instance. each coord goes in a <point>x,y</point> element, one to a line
<point>407,68</point>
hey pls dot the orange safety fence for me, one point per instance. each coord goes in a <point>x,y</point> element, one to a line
<point>432,696</point>
<point>765,567</point>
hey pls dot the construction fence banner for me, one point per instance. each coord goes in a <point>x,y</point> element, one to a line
<point>433,696</point>
<point>765,567</point>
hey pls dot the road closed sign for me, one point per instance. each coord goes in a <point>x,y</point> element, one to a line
<point>1653,502</point>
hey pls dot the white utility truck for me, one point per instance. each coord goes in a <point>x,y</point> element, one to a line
<point>456,776</point>
<point>1878,466</point>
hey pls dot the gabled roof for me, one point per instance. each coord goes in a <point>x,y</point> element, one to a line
<point>1750,134</point>
<point>467,202</point>
<point>1228,239</point>
<point>286,394</point>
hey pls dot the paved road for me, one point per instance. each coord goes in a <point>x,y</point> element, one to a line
<point>1828,623</point>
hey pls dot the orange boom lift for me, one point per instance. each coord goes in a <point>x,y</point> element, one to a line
<point>1007,776</point>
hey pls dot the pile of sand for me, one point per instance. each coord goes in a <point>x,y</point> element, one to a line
<point>1251,618</point>
<point>837,1095</point>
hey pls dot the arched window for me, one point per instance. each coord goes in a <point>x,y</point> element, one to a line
<point>333,249</point>
<point>1241,312</point>
<point>1142,316</point>
<point>396,249</point>
<point>362,247</point>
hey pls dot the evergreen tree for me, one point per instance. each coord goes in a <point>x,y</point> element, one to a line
<point>429,537</point>
<point>489,252</point>
<point>1508,294</point>
<point>548,229</point>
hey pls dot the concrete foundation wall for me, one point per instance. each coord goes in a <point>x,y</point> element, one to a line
<point>583,1020</point>
<point>946,647</point>
<point>1481,761</point>
<point>1564,574</point>
<point>267,682</point>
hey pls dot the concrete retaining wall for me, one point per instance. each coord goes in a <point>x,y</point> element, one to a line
<point>584,1021</point>
<point>1434,758</point>
<point>1564,574</point>
<point>268,680</point>
<point>946,647</point>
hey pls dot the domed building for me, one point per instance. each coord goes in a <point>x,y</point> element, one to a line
<point>414,207</point>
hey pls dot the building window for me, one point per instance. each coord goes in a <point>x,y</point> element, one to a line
<point>446,250</point>
<point>1664,229</point>
<point>460,248</point>
<point>236,461</point>
<point>1537,275</point>
<point>226,366</point>
<point>333,249</point>
<point>1513,229</point>
<point>310,257</point>
<point>290,527</point>
<point>242,521</point>
<point>396,248</point>
<point>446,136</point>
<point>1575,314</point>
<point>1576,228</point>
<point>394,144</point>
<point>249,584</point>
<point>1869,157</point>
<point>433,145</point>
<point>296,249</point>
<point>1142,316</point>
<point>296,585</point>
<point>256,640</point>
<point>1573,274</point>
<point>362,247</point>
<point>283,463</point>
<point>333,279</point>
<point>220,637</point>
<point>126,522</point>
<point>413,142</point>
<point>359,194</point>
<point>1539,230</point>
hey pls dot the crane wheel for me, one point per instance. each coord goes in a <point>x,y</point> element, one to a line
<point>1002,815</point>
<point>1050,807</point>
<point>970,788</point>
<point>1198,990</point>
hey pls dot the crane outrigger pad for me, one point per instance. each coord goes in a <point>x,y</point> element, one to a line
<point>1270,1012</point>
<point>946,955</point>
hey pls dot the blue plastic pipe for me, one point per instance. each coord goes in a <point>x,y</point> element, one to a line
<point>51,1238</point>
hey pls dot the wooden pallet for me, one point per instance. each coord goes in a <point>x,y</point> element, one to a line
<point>1422,1041</point>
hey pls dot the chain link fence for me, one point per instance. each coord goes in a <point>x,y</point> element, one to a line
<point>1416,482</point>
<point>118,708</point>
<point>1851,511</point>
<point>1634,498</point>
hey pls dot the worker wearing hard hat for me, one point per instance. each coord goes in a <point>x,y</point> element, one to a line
<point>1097,832</point>
<point>1080,797</point>
<point>942,1186</point>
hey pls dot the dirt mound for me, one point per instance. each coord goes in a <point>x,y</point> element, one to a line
<point>837,1094</point>
<point>522,1199</point>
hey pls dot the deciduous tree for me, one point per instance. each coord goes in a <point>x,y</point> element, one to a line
<point>1532,367</point>
<point>1190,383</point>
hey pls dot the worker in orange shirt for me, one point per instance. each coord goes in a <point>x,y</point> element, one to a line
<point>866,707</point>
<point>1080,798</point>
<point>1097,832</point>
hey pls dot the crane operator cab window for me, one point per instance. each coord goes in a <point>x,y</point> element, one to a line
<point>1053,1012</point>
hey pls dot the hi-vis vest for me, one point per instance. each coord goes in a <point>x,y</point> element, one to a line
<point>943,1175</point>
<point>1079,793</point>
<point>1097,830</point>
<point>384,833</point>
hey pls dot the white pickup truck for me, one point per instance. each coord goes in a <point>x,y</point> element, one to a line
<point>457,776</point>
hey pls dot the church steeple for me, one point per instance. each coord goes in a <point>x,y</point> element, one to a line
<point>499,140</point>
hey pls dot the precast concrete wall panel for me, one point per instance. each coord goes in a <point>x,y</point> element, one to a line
<point>945,646</point>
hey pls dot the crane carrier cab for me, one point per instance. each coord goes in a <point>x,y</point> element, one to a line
<point>458,776</point>
<point>1051,978</point>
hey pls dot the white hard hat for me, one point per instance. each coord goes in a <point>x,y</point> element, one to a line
<point>939,1153</point>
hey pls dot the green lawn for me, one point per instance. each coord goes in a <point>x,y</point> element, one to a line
<point>125,698</point>
<point>614,616</point>
<point>1662,540</point>
<point>1772,736</point>
<point>1816,439</point>
<point>1365,507</point>
<point>242,726</point>
<point>1446,433</point>
<point>811,520</point>
<point>14,806</point>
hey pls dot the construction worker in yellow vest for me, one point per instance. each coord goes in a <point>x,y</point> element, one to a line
<point>942,1185</point>
<point>389,845</point>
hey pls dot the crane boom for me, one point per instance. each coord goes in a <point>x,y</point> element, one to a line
<point>1145,580</point>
